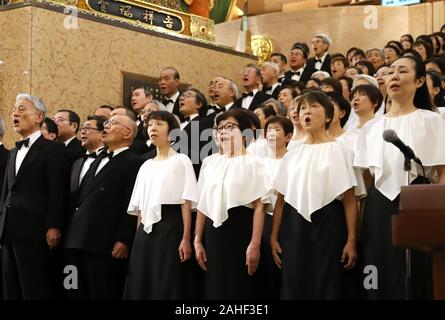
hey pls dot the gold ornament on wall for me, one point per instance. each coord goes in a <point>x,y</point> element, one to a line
<point>262,47</point>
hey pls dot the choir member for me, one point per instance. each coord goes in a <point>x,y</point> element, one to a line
<point>299,134</point>
<point>314,223</point>
<point>233,188</point>
<point>410,110</point>
<point>366,101</point>
<point>163,195</point>
<point>278,131</point>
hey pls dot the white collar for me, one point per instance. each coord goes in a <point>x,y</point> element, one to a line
<point>228,106</point>
<point>323,57</point>
<point>117,151</point>
<point>33,137</point>
<point>193,116</point>
<point>67,142</point>
<point>101,148</point>
<point>175,96</point>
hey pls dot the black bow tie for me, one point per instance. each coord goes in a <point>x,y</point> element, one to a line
<point>187,119</point>
<point>167,101</point>
<point>247,94</point>
<point>90,155</point>
<point>297,73</point>
<point>217,109</point>
<point>318,60</point>
<point>267,88</point>
<point>24,142</point>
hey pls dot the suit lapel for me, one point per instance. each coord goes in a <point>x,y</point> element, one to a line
<point>11,167</point>
<point>75,173</point>
<point>32,154</point>
<point>102,174</point>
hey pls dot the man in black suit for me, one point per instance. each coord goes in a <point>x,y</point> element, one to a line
<point>104,111</point>
<point>299,69</point>
<point>4,153</point>
<point>198,128</point>
<point>101,232</point>
<point>33,201</point>
<point>322,59</point>
<point>225,93</point>
<point>169,80</point>
<point>269,79</point>
<point>281,60</point>
<point>68,123</point>
<point>139,99</point>
<point>252,97</point>
<point>91,138</point>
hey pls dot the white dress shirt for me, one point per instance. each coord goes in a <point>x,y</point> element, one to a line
<point>228,106</point>
<point>271,90</point>
<point>106,160</point>
<point>21,154</point>
<point>171,105</point>
<point>248,100</point>
<point>297,77</point>
<point>185,123</point>
<point>87,163</point>
<point>319,64</point>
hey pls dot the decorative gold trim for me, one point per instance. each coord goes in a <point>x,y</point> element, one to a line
<point>137,22</point>
<point>202,28</point>
<point>262,47</point>
<point>232,3</point>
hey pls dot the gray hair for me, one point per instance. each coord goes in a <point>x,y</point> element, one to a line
<point>2,127</point>
<point>159,104</point>
<point>235,89</point>
<point>38,104</point>
<point>272,65</point>
<point>325,38</point>
<point>278,104</point>
<point>371,80</point>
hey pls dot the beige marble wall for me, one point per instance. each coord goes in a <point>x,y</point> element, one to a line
<point>15,60</point>
<point>347,26</point>
<point>82,68</point>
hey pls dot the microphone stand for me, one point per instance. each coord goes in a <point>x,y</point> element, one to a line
<point>407,168</point>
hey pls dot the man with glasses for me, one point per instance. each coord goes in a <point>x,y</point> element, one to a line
<point>252,98</point>
<point>322,59</point>
<point>68,123</point>
<point>299,70</point>
<point>33,208</point>
<point>101,232</point>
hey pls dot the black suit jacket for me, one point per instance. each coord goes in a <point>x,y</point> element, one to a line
<point>36,198</point>
<point>4,154</point>
<point>100,218</point>
<point>195,141</point>
<point>74,150</point>
<point>258,99</point>
<point>275,92</point>
<point>326,66</point>
<point>304,78</point>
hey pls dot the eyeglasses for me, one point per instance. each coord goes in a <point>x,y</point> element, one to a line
<point>188,95</point>
<point>88,128</point>
<point>228,127</point>
<point>114,122</point>
<point>60,119</point>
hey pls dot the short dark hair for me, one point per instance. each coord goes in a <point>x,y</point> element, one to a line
<point>426,45</point>
<point>341,58</point>
<point>200,99</point>
<point>320,97</point>
<point>51,126</point>
<point>284,122</point>
<point>411,52</point>
<point>268,111</point>
<point>99,121</point>
<point>257,69</point>
<point>302,47</point>
<point>147,91</point>
<point>368,65</point>
<point>244,121</point>
<point>350,81</point>
<point>395,43</point>
<point>372,92</point>
<point>106,106</point>
<point>410,37</point>
<point>292,89</point>
<point>439,62</point>
<point>425,38</point>
<point>359,52</point>
<point>164,116</point>
<point>334,83</point>
<point>343,104</point>
<point>279,54</point>
<point>396,49</point>
<point>439,100</point>
<point>73,117</point>
<point>353,49</point>
<point>175,72</point>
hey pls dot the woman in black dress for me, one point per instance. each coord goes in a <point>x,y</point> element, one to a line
<point>163,195</point>
<point>314,223</point>
<point>412,118</point>
<point>233,190</point>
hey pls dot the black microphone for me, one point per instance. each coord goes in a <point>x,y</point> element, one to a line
<point>390,136</point>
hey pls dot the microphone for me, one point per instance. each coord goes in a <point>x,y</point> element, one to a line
<point>390,136</point>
